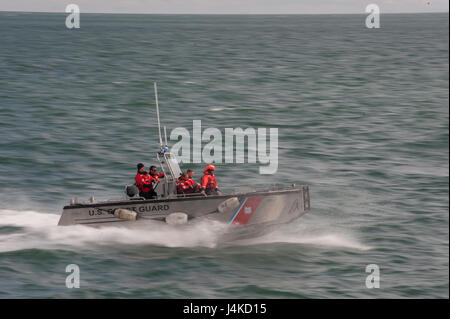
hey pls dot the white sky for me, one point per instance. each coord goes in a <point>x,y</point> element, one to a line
<point>226,6</point>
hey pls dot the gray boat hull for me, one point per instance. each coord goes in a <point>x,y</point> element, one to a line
<point>257,214</point>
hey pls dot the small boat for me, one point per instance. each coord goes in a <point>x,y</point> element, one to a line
<point>246,214</point>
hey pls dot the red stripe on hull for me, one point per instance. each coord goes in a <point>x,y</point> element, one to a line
<point>246,211</point>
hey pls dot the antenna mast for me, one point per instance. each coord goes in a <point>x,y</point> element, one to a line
<point>157,115</point>
<point>165,136</point>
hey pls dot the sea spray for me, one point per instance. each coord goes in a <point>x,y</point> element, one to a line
<point>40,230</point>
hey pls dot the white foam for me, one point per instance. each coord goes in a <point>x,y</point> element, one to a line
<point>325,240</point>
<point>217,109</point>
<point>40,230</point>
<point>313,232</point>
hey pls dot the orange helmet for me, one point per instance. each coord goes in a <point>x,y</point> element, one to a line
<point>210,167</point>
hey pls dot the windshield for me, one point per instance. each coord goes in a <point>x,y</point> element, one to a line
<point>172,162</point>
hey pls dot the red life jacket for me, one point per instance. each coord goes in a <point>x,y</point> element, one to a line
<point>157,177</point>
<point>144,182</point>
<point>193,184</point>
<point>183,186</point>
<point>209,181</point>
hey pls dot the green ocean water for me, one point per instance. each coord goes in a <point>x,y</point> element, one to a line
<point>363,120</point>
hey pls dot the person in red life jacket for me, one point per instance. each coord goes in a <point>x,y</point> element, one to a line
<point>155,177</point>
<point>209,182</point>
<point>183,186</point>
<point>154,173</point>
<point>196,187</point>
<point>144,182</point>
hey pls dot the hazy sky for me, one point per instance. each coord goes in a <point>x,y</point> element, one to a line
<point>226,6</point>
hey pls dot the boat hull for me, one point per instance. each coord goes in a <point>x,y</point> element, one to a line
<point>257,213</point>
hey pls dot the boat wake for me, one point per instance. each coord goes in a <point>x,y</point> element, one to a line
<point>314,232</point>
<point>324,240</point>
<point>20,230</point>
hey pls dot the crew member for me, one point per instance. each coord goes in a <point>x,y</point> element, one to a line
<point>196,187</point>
<point>183,186</point>
<point>208,182</point>
<point>154,173</point>
<point>144,182</point>
<point>155,177</point>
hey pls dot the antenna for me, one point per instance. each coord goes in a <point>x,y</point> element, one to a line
<point>165,136</point>
<point>157,115</point>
